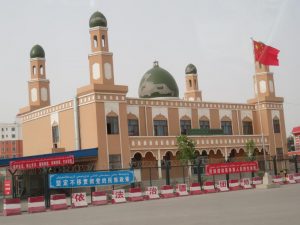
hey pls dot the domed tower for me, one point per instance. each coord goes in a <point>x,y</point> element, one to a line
<point>38,86</point>
<point>192,92</point>
<point>100,60</point>
<point>158,83</point>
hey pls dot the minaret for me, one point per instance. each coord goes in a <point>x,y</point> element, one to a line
<point>38,85</point>
<point>264,83</point>
<point>100,60</point>
<point>192,92</point>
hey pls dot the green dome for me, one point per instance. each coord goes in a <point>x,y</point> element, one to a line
<point>157,83</point>
<point>190,69</point>
<point>98,20</point>
<point>37,52</point>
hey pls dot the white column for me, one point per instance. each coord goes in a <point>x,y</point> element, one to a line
<point>159,164</point>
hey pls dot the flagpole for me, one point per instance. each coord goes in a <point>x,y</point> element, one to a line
<point>259,113</point>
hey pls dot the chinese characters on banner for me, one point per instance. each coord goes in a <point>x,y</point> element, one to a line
<point>297,143</point>
<point>7,187</point>
<point>79,199</point>
<point>90,179</point>
<point>42,162</point>
<point>227,168</point>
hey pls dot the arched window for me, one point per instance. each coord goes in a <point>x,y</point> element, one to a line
<point>103,41</point>
<point>185,126</point>
<point>190,83</point>
<point>41,69</point>
<point>204,123</point>
<point>95,41</point>
<point>160,127</point>
<point>226,126</point>
<point>112,124</point>
<point>34,70</point>
<point>247,127</point>
<point>133,127</point>
<point>55,135</point>
<point>276,125</point>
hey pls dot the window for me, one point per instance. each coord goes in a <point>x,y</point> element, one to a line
<point>190,83</point>
<point>112,124</point>
<point>276,125</point>
<point>133,127</point>
<point>55,135</point>
<point>13,136</point>
<point>279,153</point>
<point>34,70</point>
<point>204,124</point>
<point>226,127</point>
<point>95,42</point>
<point>103,41</point>
<point>247,128</point>
<point>41,70</point>
<point>115,162</point>
<point>185,126</point>
<point>13,129</point>
<point>14,149</point>
<point>160,127</point>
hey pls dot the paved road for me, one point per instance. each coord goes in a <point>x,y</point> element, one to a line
<point>253,207</point>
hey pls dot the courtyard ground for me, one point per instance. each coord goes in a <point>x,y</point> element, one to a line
<point>254,207</point>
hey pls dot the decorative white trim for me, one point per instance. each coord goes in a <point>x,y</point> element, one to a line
<point>225,112</point>
<point>44,94</point>
<point>246,113</point>
<point>275,113</point>
<point>185,112</point>
<point>203,112</point>
<point>98,28</point>
<point>111,107</point>
<point>159,110</point>
<point>107,71</point>
<point>33,93</point>
<point>54,118</point>
<point>96,68</point>
<point>262,86</point>
<point>133,110</point>
<point>37,59</point>
<point>101,53</point>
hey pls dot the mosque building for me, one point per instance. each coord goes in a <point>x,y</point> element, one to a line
<point>120,129</point>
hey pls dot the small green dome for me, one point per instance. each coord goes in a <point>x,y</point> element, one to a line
<point>37,52</point>
<point>190,69</point>
<point>157,83</point>
<point>98,20</point>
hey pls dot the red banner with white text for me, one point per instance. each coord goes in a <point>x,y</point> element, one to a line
<point>42,162</point>
<point>234,167</point>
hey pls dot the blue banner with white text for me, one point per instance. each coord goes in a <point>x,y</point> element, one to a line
<point>90,179</point>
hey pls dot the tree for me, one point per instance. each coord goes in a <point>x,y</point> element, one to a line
<point>290,144</point>
<point>250,147</point>
<point>186,147</point>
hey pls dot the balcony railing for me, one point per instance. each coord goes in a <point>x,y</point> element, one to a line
<point>169,142</point>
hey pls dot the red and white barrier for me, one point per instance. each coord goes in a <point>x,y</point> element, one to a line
<point>222,185</point>
<point>297,177</point>
<point>290,179</point>
<point>11,207</point>
<point>152,193</point>
<point>118,196</point>
<point>167,191</point>
<point>257,180</point>
<point>278,179</point>
<point>58,202</point>
<point>99,198</point>
<point>246,183</point>
<point>181,190</point>
<point>209,187</point>
<point>195,189</point>
<point>234,185</point>
<point>135,195</point>
<point>79,200</point>
<point>36,204</point>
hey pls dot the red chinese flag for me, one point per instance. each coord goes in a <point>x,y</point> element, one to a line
<point>265,54</point>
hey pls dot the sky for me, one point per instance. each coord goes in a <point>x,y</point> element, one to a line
<point>214,35</point>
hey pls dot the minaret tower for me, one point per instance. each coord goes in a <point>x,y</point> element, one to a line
<point>100,60</point>
<point>192,92</point>
<point>264,84</point>
<point>38,85</point>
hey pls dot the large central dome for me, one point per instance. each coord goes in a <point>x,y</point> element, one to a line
<point>158,83</point>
